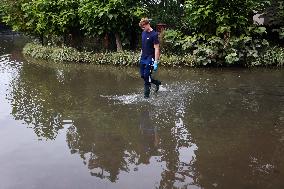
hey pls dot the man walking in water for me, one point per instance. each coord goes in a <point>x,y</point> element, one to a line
<point>150,55</point>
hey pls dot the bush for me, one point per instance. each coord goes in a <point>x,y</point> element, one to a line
<point>210,50</point>
<point>124,58</point>
<point>240,51</point>
<point>272,57</point>
<point>171,41</point>
<point>176,60</point>
<point>37,51</point>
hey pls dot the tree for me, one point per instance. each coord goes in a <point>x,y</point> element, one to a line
<point>1,12</point>
<point>274,17</point>
<point>42,18</point>
<point>51,17</point>
<point>219,17</point>
<point>169,12</point>
<point>13,15</point>
<point>103,17</point>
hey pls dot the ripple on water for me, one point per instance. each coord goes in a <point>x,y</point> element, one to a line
<point>4,59</point>
<point>171,98</point>
<point>8,65</point>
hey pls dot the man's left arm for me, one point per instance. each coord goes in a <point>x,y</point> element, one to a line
<point>157,56</point>
<point>157,52</point>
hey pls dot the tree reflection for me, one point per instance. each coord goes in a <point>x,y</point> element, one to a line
<point>204,140</point>
<point>34,100</point>
<point>101,148</point>
<point>238,140</point>
<point>149,137</point>
<point>107,150</point>
<point>178,151</point>
<point>110,139</point>
<point>43,97</point>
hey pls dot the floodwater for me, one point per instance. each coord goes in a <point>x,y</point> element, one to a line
<point>81,126</point>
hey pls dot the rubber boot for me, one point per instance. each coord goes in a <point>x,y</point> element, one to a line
<point>147,91</point>
<point>157,83</point>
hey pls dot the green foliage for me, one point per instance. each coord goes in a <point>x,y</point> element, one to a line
<point>68,54</point>
<point>275,17</point>
<point>171,41</point>
<point>13,15</point>
<point>275,13</point>
<point>59,18</point>
<point>177,60</point>
<point>242,51</point>
<point>245,50</point>
<point>99,17</point>
<point>271,57</point>
<point>204,55</point>
<point>281,33</point>
<point>169,12</point>
<point>37,51</point>
<point>51,17</point>
<point>222,33</point>
<point>218,17</point>
<point>209,52</point>
<point>124,58</point>
<point>1,11</point>
<point>204,32</point>
<point>41,17</point>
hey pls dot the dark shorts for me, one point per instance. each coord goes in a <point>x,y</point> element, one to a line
<point>146,66</point>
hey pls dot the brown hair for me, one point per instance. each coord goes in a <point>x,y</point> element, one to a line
<point>144,21</point>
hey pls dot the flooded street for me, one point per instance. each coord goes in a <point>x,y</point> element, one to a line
<point>84,126</point>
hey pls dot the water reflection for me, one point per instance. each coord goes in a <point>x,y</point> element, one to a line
<point>238,143</point>
<point>149,137</point>
<point>107,151</point>
<point>103,157</point>
<point>222,132</point>
<point>35,101</point>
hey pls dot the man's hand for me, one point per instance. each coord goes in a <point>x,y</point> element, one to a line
<point>155,65</point>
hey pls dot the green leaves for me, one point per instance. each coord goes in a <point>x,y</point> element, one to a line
<point>256,30</point>
<point>223,29</point>
<point>232,58</point>
<point>13,15</point>
<point>218,17</point>
<point>281,33</point>
<point>99,17</point>
<point>62,17</point>
<point>49,17</point>
<point>124,58</point>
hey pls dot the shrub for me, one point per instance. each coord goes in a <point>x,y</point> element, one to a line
<point>240,51</point>
<point>124,58</point>
<point>172,42</point>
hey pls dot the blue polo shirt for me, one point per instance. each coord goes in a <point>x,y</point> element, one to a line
<point>148,41</point>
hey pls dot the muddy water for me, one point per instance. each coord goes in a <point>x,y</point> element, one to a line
<point>79,126</point>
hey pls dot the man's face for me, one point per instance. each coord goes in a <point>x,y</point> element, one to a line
<point>145,27</point>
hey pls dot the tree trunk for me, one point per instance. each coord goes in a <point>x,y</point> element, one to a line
<point>227,36</point>
<point>41,39</point>
<point>118,42</point>
<point>106,42</point>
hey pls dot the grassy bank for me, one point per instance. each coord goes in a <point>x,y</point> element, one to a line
<point>124,58</point>
<point>272,57</point>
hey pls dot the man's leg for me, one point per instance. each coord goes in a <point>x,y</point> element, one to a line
<point>142,69</point>
<point>157,83</point>
<point>154,81</point>
<point>147,80</point>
